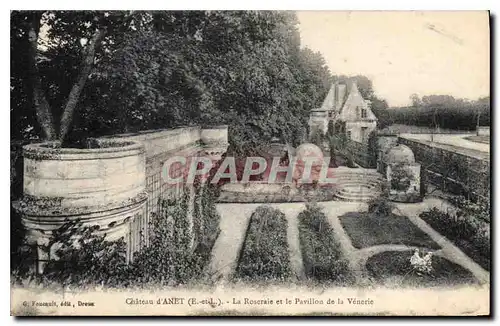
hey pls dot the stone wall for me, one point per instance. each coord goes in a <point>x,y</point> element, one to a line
<point>117,184</point>
<point>454,171</point>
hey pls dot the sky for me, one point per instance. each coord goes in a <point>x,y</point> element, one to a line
<point>419,52</point>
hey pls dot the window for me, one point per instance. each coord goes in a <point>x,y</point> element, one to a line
<point>330,114</point>
<point>363,113</point>
<point>348,134</point>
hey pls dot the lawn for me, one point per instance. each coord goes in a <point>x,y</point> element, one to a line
<point>366,230</point>
<point>393,267</point>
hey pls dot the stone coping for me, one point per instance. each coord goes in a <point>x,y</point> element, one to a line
<point>158,133</point>
<point>48,209</point>
<point>483,156</point>
<point>214,127</point>
<point>152,134</point>
<point>107,149</point>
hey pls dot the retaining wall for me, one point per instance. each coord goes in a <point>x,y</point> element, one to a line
<point>455,171</point>
<point>116,184</point>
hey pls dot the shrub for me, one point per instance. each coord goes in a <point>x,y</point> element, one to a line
<point>317,137</point>
<point>321,254</point>
<point>400,178</point>
<point>169,258</point>
<point>82,257</point>
<point>264,255</point>
<point>206,220</point>
<point>471,235</point>
<point>331,128</point>
<point>380,206</point>
<point>372,149</point>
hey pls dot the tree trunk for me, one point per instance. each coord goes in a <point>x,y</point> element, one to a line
<point>77,88</point>
<point>42,108</point>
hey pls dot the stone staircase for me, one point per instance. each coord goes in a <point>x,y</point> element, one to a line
<point>357,185</point>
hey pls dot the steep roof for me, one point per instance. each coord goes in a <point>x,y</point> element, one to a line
<point>354,103</point>
<point>329,101</point>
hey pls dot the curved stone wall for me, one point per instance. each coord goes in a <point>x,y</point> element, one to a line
<point>115,184</point>
<point>84,178</point>
<point>102,186</point>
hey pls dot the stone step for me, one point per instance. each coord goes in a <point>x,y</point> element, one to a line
<point>358,184</point>
<point>357,194</point>
<point>355,199</point>
<point>357,178</point>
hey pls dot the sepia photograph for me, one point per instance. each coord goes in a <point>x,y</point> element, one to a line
<point>250,163</point>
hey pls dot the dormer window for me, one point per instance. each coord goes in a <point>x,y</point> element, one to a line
<point>363,113</point>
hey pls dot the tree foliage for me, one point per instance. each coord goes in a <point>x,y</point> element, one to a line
<point>443,111</point>
<point>165,69</point>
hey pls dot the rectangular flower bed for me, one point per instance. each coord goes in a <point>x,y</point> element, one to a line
<point>323,260</point>
<point>264,255</point>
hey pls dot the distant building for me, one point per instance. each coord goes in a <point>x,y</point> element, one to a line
<point>346,107</point>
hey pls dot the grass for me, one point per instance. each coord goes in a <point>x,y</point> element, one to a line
<point>394,267</point>
<point>366,230</point>
<point>323,260</point>
<point>264,255</point>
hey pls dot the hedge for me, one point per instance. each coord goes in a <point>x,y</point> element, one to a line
<point>321,253</point>
<point>265,255</point>
<point>206,221</point>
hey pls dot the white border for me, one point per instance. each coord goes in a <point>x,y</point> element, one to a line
<point>200,4</point>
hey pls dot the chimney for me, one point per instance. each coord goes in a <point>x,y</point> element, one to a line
<point>339,99</point>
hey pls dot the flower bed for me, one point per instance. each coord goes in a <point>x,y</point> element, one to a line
<point>264,255</point>
<point>369,229</point>
<point>322,258</point>
<point>393,267</point>
<point>469,234</point>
